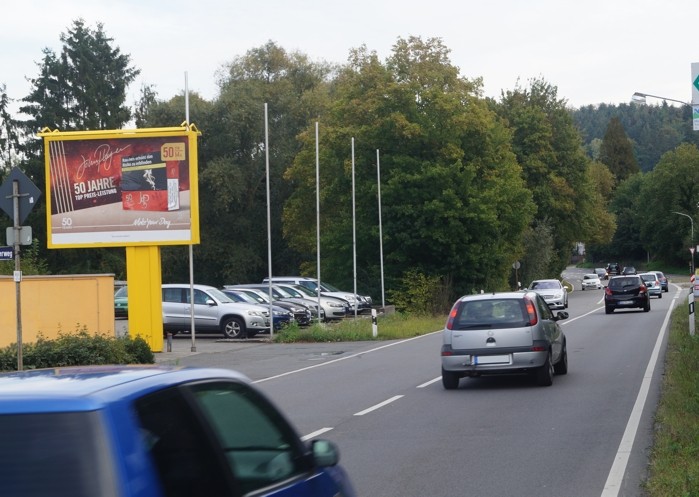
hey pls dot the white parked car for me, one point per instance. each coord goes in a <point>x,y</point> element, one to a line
<point>591,281</point>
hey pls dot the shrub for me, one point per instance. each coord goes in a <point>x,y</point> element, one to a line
<point>78,349</point>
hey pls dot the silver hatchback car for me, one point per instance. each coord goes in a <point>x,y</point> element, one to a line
<point>503,333</point>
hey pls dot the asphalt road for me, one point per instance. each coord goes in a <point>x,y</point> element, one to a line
<point>402,434</point>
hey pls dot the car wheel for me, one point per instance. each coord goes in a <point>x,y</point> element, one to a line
<point>660,295</point>
<point>608,310</point>
<point>565,306</point>
<point>233,327</point>
<point>450,380</point>
<point>647,306</point>
<point>583,289</point>
<point>544,375</point>
<point>561,367</point>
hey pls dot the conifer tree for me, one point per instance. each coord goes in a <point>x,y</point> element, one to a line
<point>616,151</point>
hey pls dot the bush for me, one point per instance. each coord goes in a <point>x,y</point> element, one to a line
<point>78,349</point>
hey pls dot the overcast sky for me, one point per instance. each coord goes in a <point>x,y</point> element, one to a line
<point>594,51</point>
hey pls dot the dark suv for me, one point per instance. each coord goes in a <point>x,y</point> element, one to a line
<point>625,292</point>
<point>613,269</point>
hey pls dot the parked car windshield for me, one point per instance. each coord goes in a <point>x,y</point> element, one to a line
<point>220,296</point>
<point>55,454</point>
<point>122,292</point>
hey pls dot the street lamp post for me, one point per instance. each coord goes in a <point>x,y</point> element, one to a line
<point>640,98</point>
<point>693,247</point>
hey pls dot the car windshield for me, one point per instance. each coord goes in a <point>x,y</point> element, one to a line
<point>328,287</point>
<point>539,285</point>
<point>244,297</point>
<point>590,277</point>
<point>305,291</point>
<point>649,277</point>
<point>122,292</point>
<point>220,296</point>
<point>623,282</point>
<point>291,292</point>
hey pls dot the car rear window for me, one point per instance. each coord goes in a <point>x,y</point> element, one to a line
<point>56,454</point>
<point>624,282</point>
<point>494,313</point>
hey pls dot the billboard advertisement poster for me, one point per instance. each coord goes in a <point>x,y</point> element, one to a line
<point>121,188</point>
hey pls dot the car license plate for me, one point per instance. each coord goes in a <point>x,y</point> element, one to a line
<point>491,359</point>
<point>626,302</point>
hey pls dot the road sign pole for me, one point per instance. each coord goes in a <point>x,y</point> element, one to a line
<point>18,272</point>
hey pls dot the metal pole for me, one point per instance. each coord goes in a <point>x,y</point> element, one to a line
<point>378,182</point>
<point>269,229</point>
<point>193,348</point>
<point>318,221</point>
<point>693,248</point>
<point>18,272</point>
<point>354,239</point>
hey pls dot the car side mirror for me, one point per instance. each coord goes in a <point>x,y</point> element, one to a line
<point>561,315</point>
<point>325,453</point>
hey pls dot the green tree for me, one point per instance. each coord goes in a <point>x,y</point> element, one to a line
<point>9,139</point>
<point>549,148</point>
<point>82,88</point>
<point>672,186</point>
<point>454,203</point>
<point>616,151</point>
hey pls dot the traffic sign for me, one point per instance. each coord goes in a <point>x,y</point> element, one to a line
<point>6,254</point>
<point>695,83</point>
<point>28,194</point>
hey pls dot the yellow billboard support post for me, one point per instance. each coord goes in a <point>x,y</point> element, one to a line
<point>133,188</point>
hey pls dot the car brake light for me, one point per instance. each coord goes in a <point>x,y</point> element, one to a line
<point>607,291</point>
<point>531,312</point>
<point>452,314</point>
<point>642,289</point>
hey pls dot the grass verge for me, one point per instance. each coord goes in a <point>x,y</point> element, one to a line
<point>389,327</point>
<point>674,459</point>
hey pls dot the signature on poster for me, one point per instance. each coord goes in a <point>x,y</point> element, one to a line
<point>147,222</point>
<point>102,156</point>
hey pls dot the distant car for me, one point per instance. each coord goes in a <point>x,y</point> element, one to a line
<point>553,292</point>
<point>360,303</point>
<point>628,270</point>
<point>613,269</point>
<point>136,431</point>
<point>652,284</point>
<point>591,281</point>
<point>663,280</point>
<point>121,303</point>
<point>626,292</point>
<point>503,333</point>
<point>601,273</point>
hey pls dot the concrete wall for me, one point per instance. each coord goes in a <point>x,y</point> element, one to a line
<point>53,304</point>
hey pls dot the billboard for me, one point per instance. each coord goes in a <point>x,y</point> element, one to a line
<point>121,188</point>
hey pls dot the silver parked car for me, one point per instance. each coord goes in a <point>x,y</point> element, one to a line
<point>213,311</point>
<point>503,333</point>
<point>553,291</point>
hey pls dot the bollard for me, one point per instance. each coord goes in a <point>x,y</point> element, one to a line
<point>374,323</point>
<point>169,342</point>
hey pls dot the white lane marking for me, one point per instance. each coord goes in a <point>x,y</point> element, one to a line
<point>345,358</point>
<point>377,406</point>
<point>315,434</point>
<point>428,383</point>
<point>616,473</point>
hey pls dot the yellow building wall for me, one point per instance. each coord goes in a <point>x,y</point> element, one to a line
<point>53,304</point>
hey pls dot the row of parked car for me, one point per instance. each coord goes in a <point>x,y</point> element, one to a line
<point>243,311</point>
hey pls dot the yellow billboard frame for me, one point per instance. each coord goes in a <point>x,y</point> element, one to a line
<point>58,188</point>
<point>143,263</point>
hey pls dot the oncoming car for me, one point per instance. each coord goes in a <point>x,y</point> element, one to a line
<point>553,292</point>
<point>503,333</point>
<point>591,281</point>
<point>142,431</point>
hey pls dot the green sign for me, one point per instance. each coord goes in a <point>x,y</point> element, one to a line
<point>696,83</point>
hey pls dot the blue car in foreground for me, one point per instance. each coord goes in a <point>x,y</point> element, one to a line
<point>137,431</point>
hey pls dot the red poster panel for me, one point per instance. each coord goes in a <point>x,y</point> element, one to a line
<point>118,188</point>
